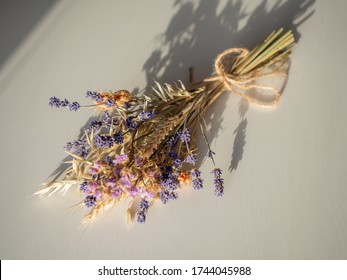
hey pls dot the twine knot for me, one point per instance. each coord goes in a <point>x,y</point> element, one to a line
<point>252,84</point>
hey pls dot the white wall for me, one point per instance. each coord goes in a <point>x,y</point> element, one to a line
<point>286,196</point>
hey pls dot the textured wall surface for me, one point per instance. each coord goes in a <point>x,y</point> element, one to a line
<point>284,168</point>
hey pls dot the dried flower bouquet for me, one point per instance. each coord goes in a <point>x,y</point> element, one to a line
<point>142,147</point>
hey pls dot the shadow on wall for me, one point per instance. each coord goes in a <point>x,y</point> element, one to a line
<point>200,30</point>
<point>17,19</point>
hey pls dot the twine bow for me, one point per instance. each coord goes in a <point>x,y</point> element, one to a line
<point>249,82</point>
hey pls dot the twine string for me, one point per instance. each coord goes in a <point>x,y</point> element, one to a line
<point>241,83</point>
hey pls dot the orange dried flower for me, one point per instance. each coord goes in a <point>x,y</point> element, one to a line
<point>120,97</point>
<point>184,178</point>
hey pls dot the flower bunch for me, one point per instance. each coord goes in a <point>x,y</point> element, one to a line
<point>142,147</point>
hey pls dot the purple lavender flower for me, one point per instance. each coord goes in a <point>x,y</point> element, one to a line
<point>218,182</point>
<point>141,216</point>
<point>74,106</point>
<point>195,172</point>
<point>93,125</point>
<point>143,116</point>
<point>177,162</point>
<point>105,117</point>
<point>211,153</point>
<point>103,141</point>
<point>171,141</point>
<point>78,143</point>
<point>166,173</point>
<point>172,154</point>
<point>217,172</point>
<point>190,159</point>
<point>169,180</point>
<point>110,103</point>
<point>173,195</point>
<point>166,195</point>
<point>89,93</point>
<point>80,146</point>
<point>184,135</point>
<point>197,181</point>
<point>90,201</point>
<point>54,102</point>
<point>144,204</point>
<point>64,103</point>
<point>170,183</point>
<point>118,137</point>
<point>169,169</point>
<point>68,146</point>
<point>97,97</point>
<point>82,151</point>
<point>109,141</point>
<point>94,96</point>
<point>98,141</point>
<point>109,160</point>
<point>130,123</point>
<point>219,186</point>
<point>198,184</point>
<point>84,187</point>
<point>127,105</point>
<point>146,115</point>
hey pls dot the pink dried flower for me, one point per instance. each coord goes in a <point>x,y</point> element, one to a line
<point>92,186</point>
<point>120,158</point>
<point>125,180</point>
<point>98,195</point>
<point>133,192</point>
<point>93,171</point>
<point>116,193</point>
<point>111,182</point>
